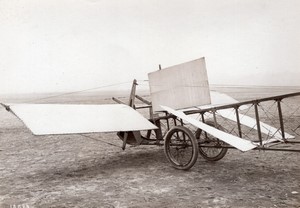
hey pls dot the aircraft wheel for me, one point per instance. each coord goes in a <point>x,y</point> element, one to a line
<point>181,147</point>
<point>213,150</point>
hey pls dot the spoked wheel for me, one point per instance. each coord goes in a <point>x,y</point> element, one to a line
<point>181,147</point>
<point>211,148</point>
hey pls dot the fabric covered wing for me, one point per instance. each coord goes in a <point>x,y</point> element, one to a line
<point>44,119</point>
<point>239,143</point>
<point>217,99</point>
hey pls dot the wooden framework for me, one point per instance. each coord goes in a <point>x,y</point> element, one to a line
<point>166,122</point>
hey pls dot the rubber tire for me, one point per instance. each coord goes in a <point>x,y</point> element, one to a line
<point>202,153</point>
<point>195,149</point>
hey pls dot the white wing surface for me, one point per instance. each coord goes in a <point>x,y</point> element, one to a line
<point>217,99</point>
<point>239,143</point>
<point>44,119</point>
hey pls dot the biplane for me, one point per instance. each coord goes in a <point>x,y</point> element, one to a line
<point>184,116</point>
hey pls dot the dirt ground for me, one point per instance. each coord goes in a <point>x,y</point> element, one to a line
<point>86,171</point>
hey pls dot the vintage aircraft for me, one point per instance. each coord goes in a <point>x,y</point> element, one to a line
<point>184,115</point>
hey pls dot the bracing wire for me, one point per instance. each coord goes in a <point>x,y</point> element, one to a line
<point>75,92</point>
<point>99,140</point>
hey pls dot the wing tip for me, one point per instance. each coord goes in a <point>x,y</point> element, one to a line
<point>5,106</point>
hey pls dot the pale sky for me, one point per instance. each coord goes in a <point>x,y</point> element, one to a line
<point>69,45</point>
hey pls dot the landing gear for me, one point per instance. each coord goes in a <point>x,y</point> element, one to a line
<point>211,148</point>
<point>181,147</point>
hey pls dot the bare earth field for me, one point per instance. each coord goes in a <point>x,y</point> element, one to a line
<point>86,171</point>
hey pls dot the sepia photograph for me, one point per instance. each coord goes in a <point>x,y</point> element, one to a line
<point>149,103</point>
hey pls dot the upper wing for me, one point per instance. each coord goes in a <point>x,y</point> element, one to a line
<point>43,119</point>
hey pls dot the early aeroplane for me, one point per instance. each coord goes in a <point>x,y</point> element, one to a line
<point>184,115</point>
